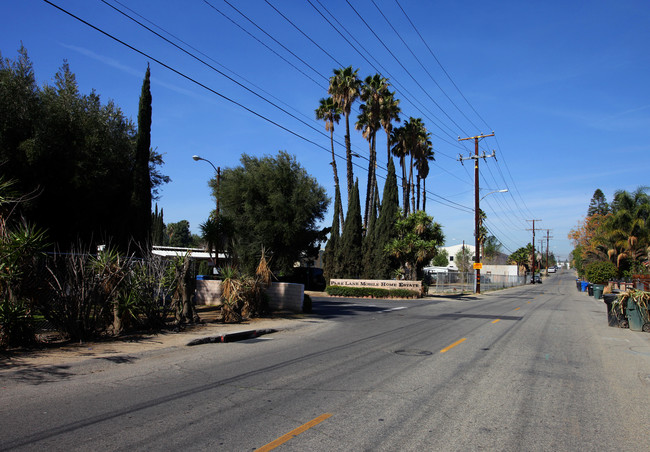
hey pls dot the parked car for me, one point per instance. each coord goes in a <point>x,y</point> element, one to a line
<point>536,279</point>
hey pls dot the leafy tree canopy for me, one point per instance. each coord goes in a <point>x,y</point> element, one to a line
<point>464,259</point>
<point>74,153</point>
<point>178,234</point>
<point>272,203</point>
<point>522,256</point>
<point>491,247</point>
<point>417,238</point>
<point>441,259</point>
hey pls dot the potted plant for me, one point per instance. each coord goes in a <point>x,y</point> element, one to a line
<point>635,303</point>
<point>599,273</point>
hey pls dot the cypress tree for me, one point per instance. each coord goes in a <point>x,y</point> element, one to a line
<point>157,227</point>
<point>383,264</point>
<point>369,241</point>
<point>349,249</point>
<point>330,267</point>
<point>141,197</point>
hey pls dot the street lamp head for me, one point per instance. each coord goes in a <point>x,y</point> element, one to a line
<point>196,158</point>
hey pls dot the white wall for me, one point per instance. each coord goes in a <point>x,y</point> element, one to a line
<point>508,270</point>
<point>282,296</point>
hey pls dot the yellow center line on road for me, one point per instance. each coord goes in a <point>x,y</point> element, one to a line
<point>446,349</point>
<point>517,309</point>
<point>293,433</point>
<point>495,321</point>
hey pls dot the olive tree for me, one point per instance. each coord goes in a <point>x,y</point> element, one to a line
<point>272,203</point>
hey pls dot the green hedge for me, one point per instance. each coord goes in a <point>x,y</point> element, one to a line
<point>600,272</point>
<point>359,292</point>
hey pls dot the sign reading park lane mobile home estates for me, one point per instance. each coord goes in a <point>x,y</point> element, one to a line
<point>380,284</point>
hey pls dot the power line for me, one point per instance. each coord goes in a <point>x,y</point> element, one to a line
<point>422,65</point>
<point>440,64</point>
<point>258,40</point>
<point>304,34</point>
<point>446,202</point>
<point>383,70</point>
<point>403,67</point>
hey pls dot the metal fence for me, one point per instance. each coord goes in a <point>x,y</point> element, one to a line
<point>463,282</point>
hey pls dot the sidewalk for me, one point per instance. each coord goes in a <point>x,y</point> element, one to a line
<point>208,331</point>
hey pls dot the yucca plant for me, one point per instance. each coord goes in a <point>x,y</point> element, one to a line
<point>230,294</point>
<point>263,271</point>
<point>243,296</point>
<point>20,252</point>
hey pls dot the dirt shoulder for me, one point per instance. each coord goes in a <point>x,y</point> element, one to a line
<point>56,354</point>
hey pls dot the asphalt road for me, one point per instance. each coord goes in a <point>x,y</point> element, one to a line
<point>528,368</point>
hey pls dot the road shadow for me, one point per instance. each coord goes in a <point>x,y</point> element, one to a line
<point>36,375</point>
<point>456,316</point>
<point>328,308</point>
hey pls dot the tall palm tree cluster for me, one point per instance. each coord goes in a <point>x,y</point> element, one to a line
<point>618,232</point>
<point>366,248</point>
<point>379,109</point>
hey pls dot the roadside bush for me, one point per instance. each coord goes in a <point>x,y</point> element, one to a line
<point>360,292</point>
<point>600,272</point>
<point>80,295</point>
<point>15,323</point>
<point>20,251</point>
<point>243,296</point>
<point>88,295</point>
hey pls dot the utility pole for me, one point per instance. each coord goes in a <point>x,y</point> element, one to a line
<point>476,157</point>
<point>533,272</point>
<point>547,240</point>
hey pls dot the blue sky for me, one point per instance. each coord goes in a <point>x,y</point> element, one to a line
<point>564,86</point>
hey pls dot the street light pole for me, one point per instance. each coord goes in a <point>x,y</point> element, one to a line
<point>217,171</point>
<point>505,190</point>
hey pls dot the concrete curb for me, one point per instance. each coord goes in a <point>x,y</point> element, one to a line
<point>231,337</point>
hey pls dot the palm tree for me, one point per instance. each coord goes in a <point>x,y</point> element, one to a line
<point>372,90</point>
<point>366,124</point>
<point>628,227</point>
<point>400,150</point>
<point>345,89</point>
<point>422,165</point>
<point>389,111</point>
<point>330,112</point>
<point>414,138</point>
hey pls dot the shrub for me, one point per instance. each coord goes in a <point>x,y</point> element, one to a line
<point>600,272</point>
<point>15,323</point>
<point>359,292</point>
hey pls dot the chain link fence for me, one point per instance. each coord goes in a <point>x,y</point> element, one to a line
<point>463,282</point>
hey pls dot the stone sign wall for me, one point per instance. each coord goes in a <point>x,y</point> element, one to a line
<point>282,296</point>
<point>380,284</point>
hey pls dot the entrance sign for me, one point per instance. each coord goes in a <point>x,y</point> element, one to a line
<point>381,284</point>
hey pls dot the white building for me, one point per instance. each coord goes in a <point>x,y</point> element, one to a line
<point>508,270</point>
<point>452,251</point>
